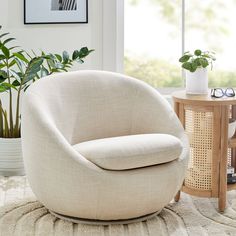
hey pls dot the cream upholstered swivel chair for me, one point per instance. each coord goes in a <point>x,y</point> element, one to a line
<point>101,146</point>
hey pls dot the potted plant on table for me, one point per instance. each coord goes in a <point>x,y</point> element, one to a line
<point>195,66</point>
<point>18,69</point>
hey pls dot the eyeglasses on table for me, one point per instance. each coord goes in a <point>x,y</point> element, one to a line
<point>219,92</point>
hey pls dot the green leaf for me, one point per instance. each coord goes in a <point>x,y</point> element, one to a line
<point>204,63</point>
<point>187,66</point>
<point>3,88</point>
<point>3,74</point>
<point>2,57</point>
<point>2,79</point>
<point>34,53</point>
<point>192,70</point>
<point>8,86</point>
<point>20,64</point>
<point>2,35</point>
<point>21,57</point>
<point>197,52</point>
<point>32,69</point>
<point>26,87</point>
<point>11,48</point>
<point>84,52</point>
<point>67,66</point>
<point>64,69</point>
<point>65,56</point>
<point>194,67</point>
<point>29,55</point>
<point>16,75</point>
<point>51,63</point>
<point>75,54</point>
<point>59,65</point>
<point>206,55</point>
<point>16,83</point>
<point>79,61</point>
<point>47,57</point>
<point>197,62</point>
<point>59,58</point>
<point>44,72</point>
<point>51,56</point>
<point>12,63</point>
<point>8,40</point>
<point>184,58</point>
<point>5,51</point>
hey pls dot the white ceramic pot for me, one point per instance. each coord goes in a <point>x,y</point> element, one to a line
<point>232,127</point>
<point>197,82</point>
<point>11,161</point>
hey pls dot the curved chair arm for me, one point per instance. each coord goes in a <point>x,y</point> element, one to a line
<point>161,118</point>
<point>154,114</point>
<point>38,126</point>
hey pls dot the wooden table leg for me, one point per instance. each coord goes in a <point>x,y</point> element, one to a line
<point>216,156</point>
<point>223,159</point>
<point>176,108</point>
<point>177,196</point>
<point>177,111</point>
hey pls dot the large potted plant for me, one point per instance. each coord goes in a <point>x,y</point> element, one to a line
<point>18,69</point>
<point>195,66</point>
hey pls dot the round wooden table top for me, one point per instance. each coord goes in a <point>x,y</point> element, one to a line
<point>206,99</point>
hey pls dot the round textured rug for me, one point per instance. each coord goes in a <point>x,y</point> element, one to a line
<point>191,216</point>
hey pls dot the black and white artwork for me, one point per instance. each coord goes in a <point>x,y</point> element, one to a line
<point>55,11</point>
<point>64,5</point>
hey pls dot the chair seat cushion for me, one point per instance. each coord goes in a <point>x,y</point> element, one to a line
<point>129,152</point>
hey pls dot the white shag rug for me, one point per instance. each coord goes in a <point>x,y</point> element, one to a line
<point>21,214</point>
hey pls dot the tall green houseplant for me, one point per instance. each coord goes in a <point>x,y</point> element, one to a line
<point>18,69</point>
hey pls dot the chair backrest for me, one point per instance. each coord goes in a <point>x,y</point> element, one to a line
<point>87,105</point>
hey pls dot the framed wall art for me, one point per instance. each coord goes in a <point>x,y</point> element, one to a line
<point>55,11</point>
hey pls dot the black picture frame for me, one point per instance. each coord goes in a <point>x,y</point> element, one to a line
<point>27,22</point>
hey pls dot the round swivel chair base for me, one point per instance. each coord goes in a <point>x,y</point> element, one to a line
<point>104,222</point>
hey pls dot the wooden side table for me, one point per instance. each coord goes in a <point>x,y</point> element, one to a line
<point>205,120</point>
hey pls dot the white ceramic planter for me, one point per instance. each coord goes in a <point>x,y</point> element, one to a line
<point>11,161</point>
<point>197,82</point>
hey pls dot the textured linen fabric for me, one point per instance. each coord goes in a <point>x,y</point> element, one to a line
<point>65,109</point>
<point>130,152</point>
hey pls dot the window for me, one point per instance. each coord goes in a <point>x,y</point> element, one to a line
<point>211,26</point>
<point>155,39</point>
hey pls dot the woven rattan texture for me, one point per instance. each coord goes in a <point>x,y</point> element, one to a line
<point>199,127</point>
<point>229,162</point>
<point>229,158</point>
